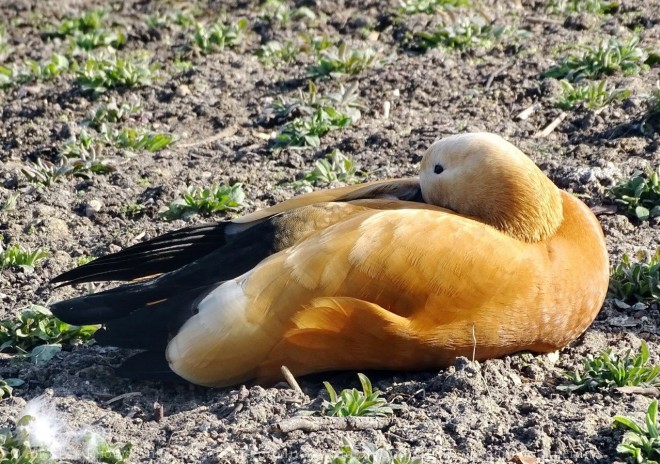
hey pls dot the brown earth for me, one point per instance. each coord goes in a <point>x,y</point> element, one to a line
<point>218,111</point>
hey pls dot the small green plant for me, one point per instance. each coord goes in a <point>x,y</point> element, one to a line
<point>636,281</point>
<point>463,35</point>
<point>16,256</point>
<point>306,132</point>
<point>639,196</point>
<point>15,446</point>
<point>36,326</point>
<point>277,11</point>
<point>34,71</point>
<point>100,74</point>
<point>334,167</point>
<point>7,389</point>
<point>219,36</point>
<point>342,60</point>
<point>592,96</point>
<point>139,139</point>
<point>96,39</point>
<point>356,403</point>
<point>609,57</point>
<point>583,6</point>
<point>100,450</point>
<point>10,203</point>
<point>207,201</point>
<point>370,454</point>
<point>275,52</point>
<point>89,21</point>
<point>411,7</point>
<point>640,446</point>
<point>653,101</point>
<point>608,370</point>
<point>132,210</point>
<point>112,112</point>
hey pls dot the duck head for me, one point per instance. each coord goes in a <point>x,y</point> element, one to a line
<point>483,176</point>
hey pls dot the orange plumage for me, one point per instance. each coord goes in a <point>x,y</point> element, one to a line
<point>483,254</point>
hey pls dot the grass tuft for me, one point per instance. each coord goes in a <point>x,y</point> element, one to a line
<point>641,443</point>
<point>593,95</point>
<point>636,281</point>
<point>608,370</point>
<point>356,403</point>
<point>16,256</point>
<point>609,57</point>
<point>218,198</point>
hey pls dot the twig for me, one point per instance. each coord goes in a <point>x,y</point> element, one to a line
<point>496,73</point>
<point>291,380</point>
<point>552,126</point>
<point>646,391</point>
<point>527,112</point>
<point>121,397</point>
<point>317,424</point>
<point>228,132</point>
<point>474,343</point>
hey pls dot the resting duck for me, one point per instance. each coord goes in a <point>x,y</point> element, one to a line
<point>481,255</point>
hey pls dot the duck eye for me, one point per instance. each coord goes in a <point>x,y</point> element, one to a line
<point>438,169</point>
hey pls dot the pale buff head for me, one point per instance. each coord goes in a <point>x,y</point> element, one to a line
<point>484,176</point>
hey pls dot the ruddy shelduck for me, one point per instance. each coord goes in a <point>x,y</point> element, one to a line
<point>482,254</point>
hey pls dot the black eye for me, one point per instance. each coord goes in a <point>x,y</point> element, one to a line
<point>438,169</point>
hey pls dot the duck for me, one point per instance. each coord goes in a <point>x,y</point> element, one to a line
<point>480,256</point>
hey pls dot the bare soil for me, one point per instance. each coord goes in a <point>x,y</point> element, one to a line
<point>487,412</point>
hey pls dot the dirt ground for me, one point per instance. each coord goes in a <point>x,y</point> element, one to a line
<point>218,110</point>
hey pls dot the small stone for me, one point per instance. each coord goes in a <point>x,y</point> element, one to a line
<point>92,207</point>
<point>182,90</point>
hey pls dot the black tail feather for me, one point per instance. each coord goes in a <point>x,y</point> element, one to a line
<point>157,256</point>
<point>148,365</point>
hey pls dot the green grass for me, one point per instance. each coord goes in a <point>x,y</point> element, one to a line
<point>641,443</point>
<point>352,402</point>
<point>220,36</point>
<point>17,256</point>
<point>463,35</point>
<point>334,167</point>
<point>593,95</point>
<point>410,7</point>
<point>340,59</point>
<point>609,370</point>
<point>609,57</point>
<point>370,454</point>
<point>99,74</point>
<point>639,196</point>
<point>35,326</point>
<point>602,7</point>
<point>211,200</point>
<point>636,281</point>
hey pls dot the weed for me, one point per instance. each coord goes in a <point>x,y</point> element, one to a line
<point>639,196</point>
<point>608,370</point>
<point>275,52</point>
<point>15,446</point>
<point>96,39</point>
<point>82,260</point>
<point>653,101</point>
<point>411,7</point>
<point>206,201</point>
<point>6,390</point>
<point>90,21</point>
<point>100,74</point>
<point>583,6</point>
<point>370,454</point>
<point>32,71</point>
<point>356,403</point>
<point>641,446</point>
<point>279,12</point>
<point>219,36</point>
<point>132,210</point>
<point>342,60</point>
<point>35,326</point>
<point>99,448</point>
<point>10,203</point>
<point>636,281</point>
<point>112,112</point>
<point>334,167</point>
<point>139,139</point>
<point>18,256</point>
<point>592,96</point>
<point>306,132</point>
<point>463,35</point>
<point>609,57</point>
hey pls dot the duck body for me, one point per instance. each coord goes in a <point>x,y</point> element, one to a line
<point>401,275</point>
